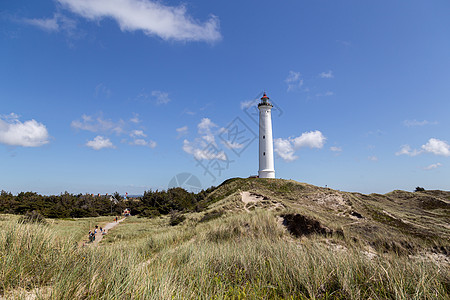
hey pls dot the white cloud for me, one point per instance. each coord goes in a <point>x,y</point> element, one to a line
<point>437,147</point>
<point>98,124</point>
<point>59,22</point>
<point>142,142</point>
<point>232,145</point>
<point>10,117</point>
<point>286,148</point>
<point>249,103</point>
<point>206,125</point>
<point>406,150</point>
<point>335,149</point>
<point>205,153</point>
<point>45,24</point>
<point>105,126</point>
<point>326,94</point>
<point>205,147</point>
<point>136,133</point>
<point>161,97</point>
<point>188,112</point>
<point>135,119</point>
<point>182,131</point>
<point>328,74</point>
<point>413,123</point>
<point>151,17</point>
<point>205,128</point>
<point>102,89</point>
<point>294,81</point>
<point>372,158</point>
<point>434,146</point>
<point>312,139</point>
<point>377,132</point>
<point>100,142</point>
<point>138,140</point>
<point>27,134</point>
<point>432,166</point>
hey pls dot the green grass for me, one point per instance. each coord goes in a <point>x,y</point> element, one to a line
<point>395,251</point>
<point>407,216</point>
<point>77,229</point>
<point>236,256</point>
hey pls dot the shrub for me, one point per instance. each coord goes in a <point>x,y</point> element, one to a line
<point>149,213</point>
<point>32,217</point>
<point>212,215</point>
<point>419,189</point>
<point>176,218</point>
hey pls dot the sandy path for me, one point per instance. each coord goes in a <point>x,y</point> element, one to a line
<point>251,201</point>
<point>108,227</point>
<point>247,198</point>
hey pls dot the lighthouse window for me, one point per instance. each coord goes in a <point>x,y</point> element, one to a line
<point>264,136</point>
<point>264,153</point>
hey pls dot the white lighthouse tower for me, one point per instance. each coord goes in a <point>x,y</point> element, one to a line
<point>266,166</point>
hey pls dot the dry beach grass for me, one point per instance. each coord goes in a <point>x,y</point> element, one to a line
<point>235,253</point>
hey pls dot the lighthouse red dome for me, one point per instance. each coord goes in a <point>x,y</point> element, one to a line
<point>264,96</point>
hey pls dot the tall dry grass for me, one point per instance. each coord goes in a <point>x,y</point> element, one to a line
<point>250,256</point>
<point>247,256</point>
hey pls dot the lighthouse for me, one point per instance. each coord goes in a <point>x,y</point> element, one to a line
<point>266,166</point>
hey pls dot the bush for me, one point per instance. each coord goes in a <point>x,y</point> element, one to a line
<point>419,189</point>
<point>32,217</point>
<point>212,215</point>
<point>149,213</point>
<point>176,218</point>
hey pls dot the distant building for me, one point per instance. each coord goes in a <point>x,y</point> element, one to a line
<point>266,164</point>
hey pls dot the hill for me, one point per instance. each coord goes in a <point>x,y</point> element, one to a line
<point>246,239</point>
<point>404,222</point>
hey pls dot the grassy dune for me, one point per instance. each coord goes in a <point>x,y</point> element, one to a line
<point>235,252</point>
<point>240,256</point>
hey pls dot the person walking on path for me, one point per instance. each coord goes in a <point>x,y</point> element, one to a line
<point>108,227</point>
<point>91,236</point>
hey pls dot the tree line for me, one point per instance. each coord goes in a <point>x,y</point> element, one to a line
<point>67,205</point>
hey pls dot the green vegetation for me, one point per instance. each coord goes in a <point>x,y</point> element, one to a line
<point>176,218</point>
<point>66,205</point>
<point>239,256</point>
<point>289,240</point>
<point>32,217</point>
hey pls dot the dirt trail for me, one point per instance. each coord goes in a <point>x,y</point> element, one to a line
<point>247,198</point>
<point>253,200</point>
<point>108,227</point>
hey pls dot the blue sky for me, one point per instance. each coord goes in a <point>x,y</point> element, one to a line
<point>122,95</point>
